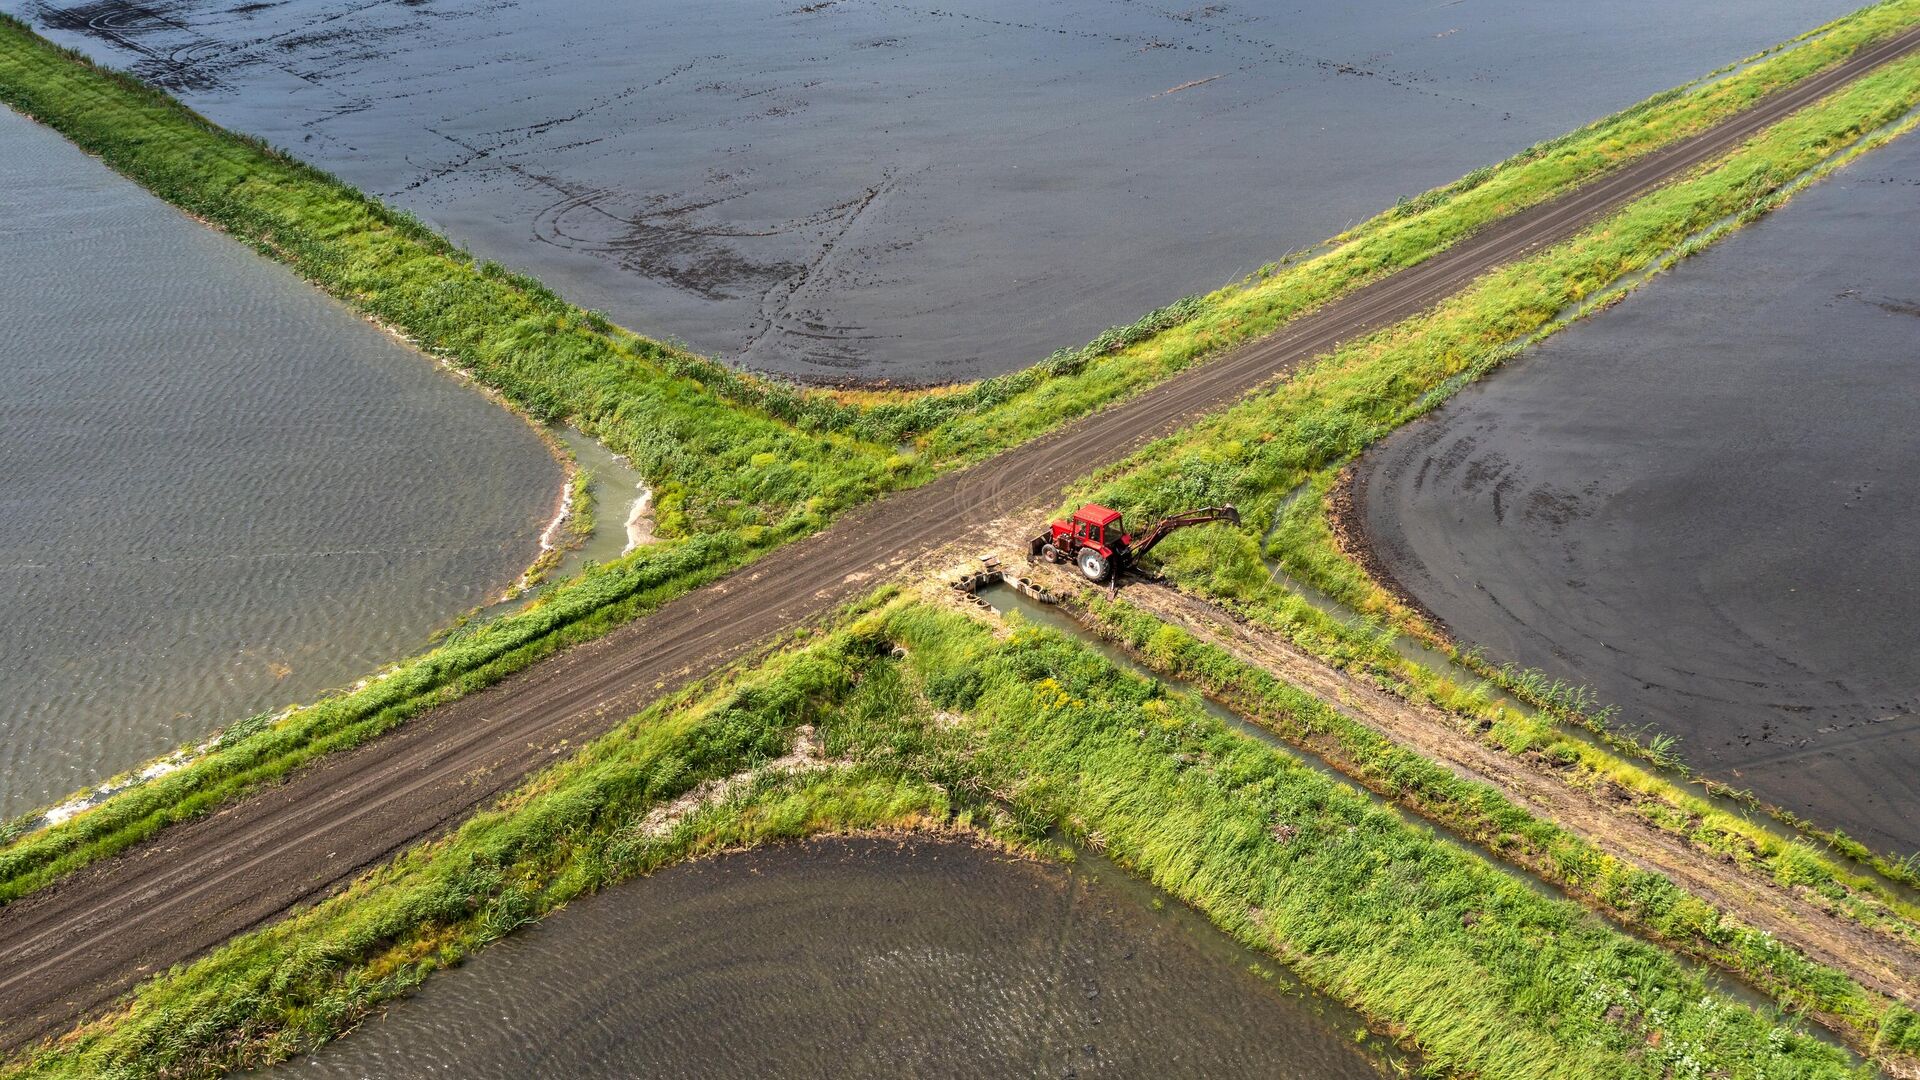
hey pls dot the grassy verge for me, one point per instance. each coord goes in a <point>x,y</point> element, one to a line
<point>928,718</point>
<point>1266,447</point>
<point>1648,902</point>
<point>737,463</point>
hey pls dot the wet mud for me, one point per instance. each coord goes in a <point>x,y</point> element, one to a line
<point>860,958</point>
<point>1702,503</point>
<point>866,191</point>
<point>223,492</point>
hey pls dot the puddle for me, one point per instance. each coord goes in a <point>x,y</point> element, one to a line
<point>621,505</point>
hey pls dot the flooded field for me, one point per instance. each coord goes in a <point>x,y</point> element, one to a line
<point>1703,503</point>
<point>860,958</point>
<point>224,493</point>
<point>857,190</point>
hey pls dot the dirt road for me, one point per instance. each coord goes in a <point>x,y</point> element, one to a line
<point>71,949</point>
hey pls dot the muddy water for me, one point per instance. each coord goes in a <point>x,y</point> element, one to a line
<point>223,492</point>
<point>860,958</point>
<point>1703,503</point>
<point>866,189</point>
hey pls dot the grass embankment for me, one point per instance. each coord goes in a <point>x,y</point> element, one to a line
<point>1018,734</point>
<point>735,479</point>
<point>262,749</point>
<point>1648,902</point>
<point>1262,449</point>
<point>713,462</point>
<point>1539,740</point>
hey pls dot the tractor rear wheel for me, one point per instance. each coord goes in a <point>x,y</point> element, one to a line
<point>1093,564</point>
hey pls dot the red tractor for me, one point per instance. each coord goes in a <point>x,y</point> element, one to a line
<point>1093,539</point>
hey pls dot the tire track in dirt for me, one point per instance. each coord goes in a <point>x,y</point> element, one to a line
<point>73,948</point>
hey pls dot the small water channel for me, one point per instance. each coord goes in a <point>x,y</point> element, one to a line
<point>622,504</point>
<point>866,957</point>
<point>223,491</point>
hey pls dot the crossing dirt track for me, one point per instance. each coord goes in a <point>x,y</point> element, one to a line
<point>72,948</point>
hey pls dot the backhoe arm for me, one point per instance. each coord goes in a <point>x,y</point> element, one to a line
<point>1145,541</point>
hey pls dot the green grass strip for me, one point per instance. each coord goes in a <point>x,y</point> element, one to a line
<point>1484,975</point>
<point>1367,650</point>
<point>257,752</point>
<point>1011,408</point>
<point>713,462</point>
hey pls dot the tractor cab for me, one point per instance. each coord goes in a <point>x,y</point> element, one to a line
<point>1093,538</point>
<point>1096,526</point>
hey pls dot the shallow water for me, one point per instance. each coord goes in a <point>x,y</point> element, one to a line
<point>1702,503</point>
<point>223,492</point>
<point>860,958</point>
<point>866,189</point>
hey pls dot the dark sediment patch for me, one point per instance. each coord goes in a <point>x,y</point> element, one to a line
<point>857,192</point>
<point>859,957</point>
<point>1702,504</point>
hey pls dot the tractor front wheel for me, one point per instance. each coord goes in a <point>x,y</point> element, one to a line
<point>1093,565</point>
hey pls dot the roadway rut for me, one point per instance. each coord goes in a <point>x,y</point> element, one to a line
<point>73,948</point>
